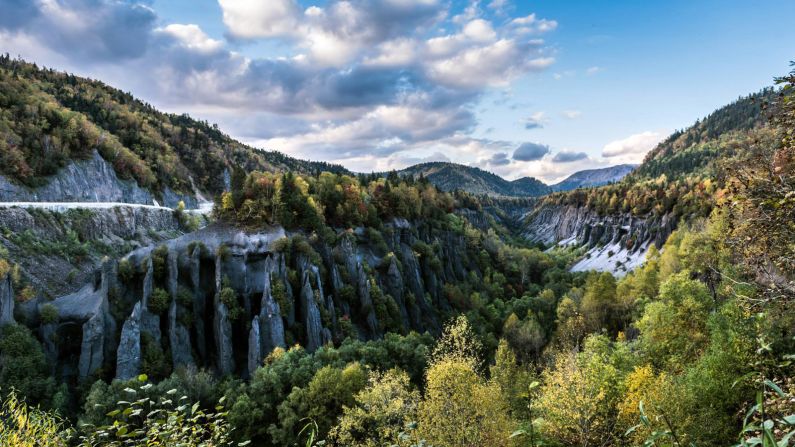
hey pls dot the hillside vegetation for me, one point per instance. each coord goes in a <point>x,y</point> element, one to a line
<point>50,118</point>
<point>402,314</point>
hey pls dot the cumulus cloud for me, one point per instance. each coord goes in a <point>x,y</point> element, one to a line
<point>359,78</point>
<point>535,121</point>
<point>499,159</point>
<point>568,157</point>
<point>530,152</point>
<point>632,148</point>
<point>249,19</point>
<point>571,114</point>
<point>85,30</point>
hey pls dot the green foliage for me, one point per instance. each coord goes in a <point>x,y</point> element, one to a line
<point>228,297</point>
<point>168,419</point>
<point>159,301</point>
<point>73,115</point>
<point>380,413</point>
<point>49,314</point>
<point>674,329</point>
<point>23,367</point>
<point>154,360</point>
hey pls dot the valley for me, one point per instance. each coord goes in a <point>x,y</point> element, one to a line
<point>150,254</point>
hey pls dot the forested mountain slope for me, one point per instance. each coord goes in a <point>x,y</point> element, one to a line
<point>382,310</point>
<point>452,176</point>
<point>51,119</point>
<point>678,180</point>
<point>594,177</point>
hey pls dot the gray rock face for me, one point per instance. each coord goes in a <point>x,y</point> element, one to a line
<point>198,300</point>
<point>270,316</point>
<point>148,283</point>
<point>420,313</point>
<point>179,339</point>
<point>222,327</point>
<point>128,356</point>
<point>552,224</point>
<point>6,300</point>
<point>310,314</point>
<point>92,347</point>
<point>366,302</point>
<point>254,346</point>
<point>178,334</point>
<point>91,180</point>
<point>394,287</point>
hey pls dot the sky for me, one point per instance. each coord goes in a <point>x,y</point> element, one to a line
<point>519,88</point>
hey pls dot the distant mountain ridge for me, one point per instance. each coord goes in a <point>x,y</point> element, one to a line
<point>594,177</point>
<point>451,176</point>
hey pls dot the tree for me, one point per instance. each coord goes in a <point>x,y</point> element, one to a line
<point>23,366</point>
<point>380,414</point>
<point>674,329</point>
<point>579,394</point>
<point>322,400</point>
<point>459,407</point>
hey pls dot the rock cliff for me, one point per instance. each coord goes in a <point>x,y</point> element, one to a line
<point>616,243</point>
<point>233,297</point>
<point>91,180</point>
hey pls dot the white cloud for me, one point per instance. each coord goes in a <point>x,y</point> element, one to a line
<point>535,121</point>
<point>394,79</point>
<point>632,148</point>
<point>192,37</point>
<point>593,70</point>
<point>571,114</point>
<point>480,30</point>
<point>496,64</point>
<point>249,19</point>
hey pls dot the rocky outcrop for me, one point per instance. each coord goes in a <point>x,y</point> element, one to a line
<point>254,346</point>
<point>310,315</point>
<point>91,180</point>
<point>222,327</point>
<point>306,292</point>
<point>6,300</point>
<point>128,357</point>
<point>92,348</point>
<point>617,243</point>
<point>113,231</point>
<point>270,321</point>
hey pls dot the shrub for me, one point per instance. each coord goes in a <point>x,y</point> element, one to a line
<point>159,301</point>
<point>228,296</point>
<point>49,314</point>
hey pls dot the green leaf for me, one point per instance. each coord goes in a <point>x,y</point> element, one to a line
<point>775,388</point>
<point>517,433</point>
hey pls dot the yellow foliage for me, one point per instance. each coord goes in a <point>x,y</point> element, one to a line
<point>461,410</point>
<point>22,426</point>
<point>641,385</point>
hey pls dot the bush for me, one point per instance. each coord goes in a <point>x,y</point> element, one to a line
<point>23,366</point>
<point>49,314</point>
<point>228,296</point>
<point>159,301</point>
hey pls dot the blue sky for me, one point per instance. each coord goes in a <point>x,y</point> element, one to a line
<point>540,88</point>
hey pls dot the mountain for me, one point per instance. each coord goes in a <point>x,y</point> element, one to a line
<point>676,183</point>
<point>54,122</point>
<point>333,297</point>
<point>452,176</point>
<point>594,177</point>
